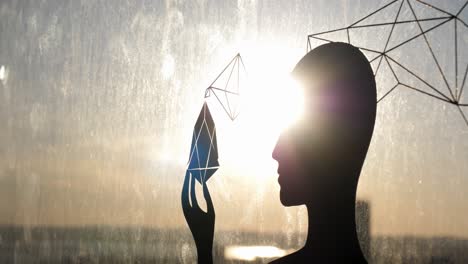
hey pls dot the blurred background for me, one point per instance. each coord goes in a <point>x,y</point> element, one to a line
<point>98,100</point>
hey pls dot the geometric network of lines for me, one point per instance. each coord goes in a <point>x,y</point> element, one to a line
<point>227,86</point>
<point>408,46</point>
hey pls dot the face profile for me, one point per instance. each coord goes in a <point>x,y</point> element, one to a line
<point>299,179</point>
<point>316,153</point>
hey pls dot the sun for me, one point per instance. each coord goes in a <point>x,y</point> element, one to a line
<point>270,103</point>
<point>273,93</point>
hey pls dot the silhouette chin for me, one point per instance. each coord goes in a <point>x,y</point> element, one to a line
<point>287,200</point>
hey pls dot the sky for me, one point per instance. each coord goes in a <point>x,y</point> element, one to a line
<point>98,102</point>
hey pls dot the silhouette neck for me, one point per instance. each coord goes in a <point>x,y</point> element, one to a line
<point>332,227</point>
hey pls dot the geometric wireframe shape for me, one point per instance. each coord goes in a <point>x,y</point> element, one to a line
<point>227,86</point>
<point>404,16</point>
<point>203,160</point>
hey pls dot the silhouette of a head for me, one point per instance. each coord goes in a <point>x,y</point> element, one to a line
<point>321,156</point>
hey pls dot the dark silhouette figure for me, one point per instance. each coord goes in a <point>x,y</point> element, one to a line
<point>319,158</point>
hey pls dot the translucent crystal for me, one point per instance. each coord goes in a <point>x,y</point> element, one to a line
<point>203,160</point>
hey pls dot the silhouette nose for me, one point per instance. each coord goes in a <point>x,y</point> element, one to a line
<point>274,154</point>
<point>280,152</point>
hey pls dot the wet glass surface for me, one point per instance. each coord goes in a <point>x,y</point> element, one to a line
<point>98,100</point>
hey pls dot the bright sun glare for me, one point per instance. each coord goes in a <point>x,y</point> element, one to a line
<point>270,102</point>
<point>272,92</point>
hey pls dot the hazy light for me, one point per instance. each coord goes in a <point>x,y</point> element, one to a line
<point>168,67</point>
<point>2,73</point>
<point>273,92</point>
<point>251,253</point>
<point>287,102</point>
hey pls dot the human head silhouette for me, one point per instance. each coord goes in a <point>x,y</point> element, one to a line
<point>320,156</point>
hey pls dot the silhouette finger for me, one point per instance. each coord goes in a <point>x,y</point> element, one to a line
<point>193,196</point>
<point>185,192</point>
<point>209,202</point>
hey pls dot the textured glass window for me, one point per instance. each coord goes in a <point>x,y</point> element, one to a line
<point>98,100</point>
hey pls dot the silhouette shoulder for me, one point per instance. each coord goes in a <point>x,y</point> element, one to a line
<point>303,257</point>
<point>292,258</point>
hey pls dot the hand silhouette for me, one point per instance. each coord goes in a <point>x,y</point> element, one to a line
<point>201,223</point>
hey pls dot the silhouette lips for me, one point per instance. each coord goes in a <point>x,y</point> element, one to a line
<point>279,179</point>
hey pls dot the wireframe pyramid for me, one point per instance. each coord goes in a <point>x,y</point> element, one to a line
<point>407,43</point>
<point>203,160</point>
<point>226,87</point>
